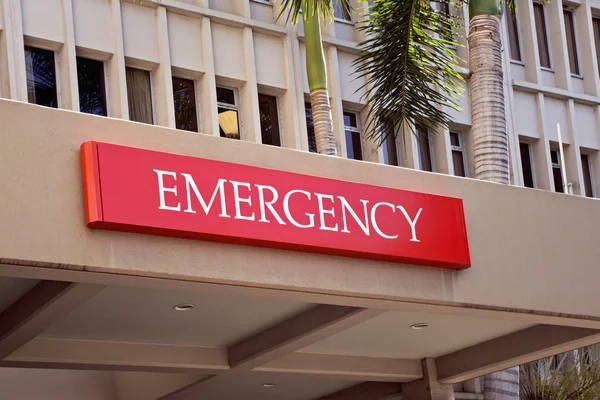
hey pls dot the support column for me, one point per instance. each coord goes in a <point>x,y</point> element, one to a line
<point>428,387</point>
<point>335,95</point>
<point>14,83</point>
<point>165,108</point>
<point>68,72</point>
<point>294,125</point>
<point>249,110</point>
<point>209,119</point>
<point>117,85</point>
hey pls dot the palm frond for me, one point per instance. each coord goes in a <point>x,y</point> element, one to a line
<point>408,63</point>
<point>293,8</point>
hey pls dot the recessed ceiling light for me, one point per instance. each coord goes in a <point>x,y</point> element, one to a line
<point>268,384</point>
<point>183,307</point>
<point>420,325</point>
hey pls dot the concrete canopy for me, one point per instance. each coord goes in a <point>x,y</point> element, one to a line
<point>74,298</point>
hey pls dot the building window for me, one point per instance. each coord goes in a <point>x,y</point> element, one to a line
<point>425,160</point>
<point>184,97</point>
<point>390,149</point>
<point>542,34</point>
<point>340,12</point>
<point>139,95</point>
<point>571,42</point>
<point>513,35</point>
<point>41,77</point>
<point>557,171</point>
<point>458,158</point>
<point>310,128</point>
<point>92,92</point>
<point>269,120</point>
<point>596,25</point>
<point>352,132</point>
<point>587,175</point>
<point>228,109</point>
<point>444,8</point>
<point>526,165</point>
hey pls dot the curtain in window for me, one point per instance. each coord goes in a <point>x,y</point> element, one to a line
<point>139,95</point>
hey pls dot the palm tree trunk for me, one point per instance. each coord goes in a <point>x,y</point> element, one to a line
<point>317,81</point>
<point>488,130</point>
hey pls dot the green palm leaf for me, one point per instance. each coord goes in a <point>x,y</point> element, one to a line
<point>409,65</point>
<point>322,7</point>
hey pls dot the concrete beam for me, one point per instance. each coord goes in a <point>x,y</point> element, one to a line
<point>281,339</point>
<point>366,391</point>
<point>145,357</point>
<point>347,367</point>
<point>516,348</point>
<point>295,333</point>
<point>117,356</point>
<point>38,309</point>
<point>429,387</point>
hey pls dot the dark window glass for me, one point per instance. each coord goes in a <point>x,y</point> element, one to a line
<point>596,25</point>
<point>269,122</point>
<point>444,8</point>
<point>458,162</point>
<point>424,150</point>
<point>310,128</point>
<point>556,171</point>
<point>184,97</point>
<point>341,12</point>
<point>353,142</point>
<point>542,38</point>
<point>513,35</point>
<point>226,96</point>
<point>390,151</point>
<point>229,123</point>
<point>353,146</point>
<point>571,43</point>
<point>41,77</point>
<point>554,156</point>
<point>526,165</point>
<point>587,175</point>
<point>350,119</point>
<point>454,139</point>
<point>139,95</point>
<point>90,78</point>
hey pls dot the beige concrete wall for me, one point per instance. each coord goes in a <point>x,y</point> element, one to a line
<point>204,39</point>
<point>47,384</point>
<point>532,250</point>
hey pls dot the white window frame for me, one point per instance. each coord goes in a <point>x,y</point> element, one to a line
<point>555,165</point>
<point>356,129</point>
<point>520,42</point>
<point>531,162</point>
<point>384,147</point>
<point>547,36</point>
<point>57,80</point>
<point>267,2</point>
<point>460,148</point>
<point>342,20</point>
<point>431,153</point>
<point>575,42</point>
<point>589,163</point>
<point>234,107</point>
<point>152,94</point>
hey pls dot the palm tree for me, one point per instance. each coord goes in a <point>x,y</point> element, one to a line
<point>316,69</point>
<point>411,77</point>
<point>411,73</point>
